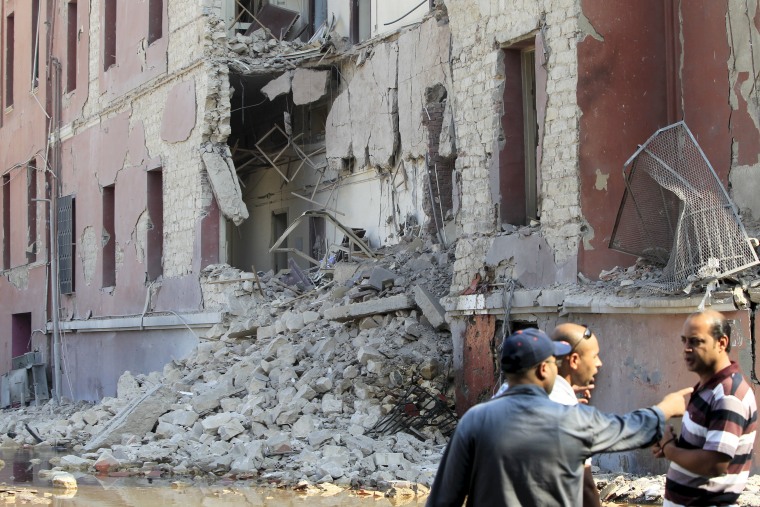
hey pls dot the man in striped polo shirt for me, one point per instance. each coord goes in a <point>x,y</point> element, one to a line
<point>711,460</point>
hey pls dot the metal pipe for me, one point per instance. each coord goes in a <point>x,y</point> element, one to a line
<point>53,247</point>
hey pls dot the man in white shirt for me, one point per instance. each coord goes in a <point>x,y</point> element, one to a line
<point>576,378</point>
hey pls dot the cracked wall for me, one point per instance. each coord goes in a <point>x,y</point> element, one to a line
<point>377,117</point>
<point>742,28</point>
<point>477,68</point>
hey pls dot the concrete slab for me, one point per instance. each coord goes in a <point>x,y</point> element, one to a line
<point>278,86</point>
<point>224,183</point>
<point>367,308</point>
<point>430,306</point>
<point>137,418</point>
<point>309,85</point>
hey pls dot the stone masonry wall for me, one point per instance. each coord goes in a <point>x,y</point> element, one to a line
<point>184,189</point>
<point>479,32</point>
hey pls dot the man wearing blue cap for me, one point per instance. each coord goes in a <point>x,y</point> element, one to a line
<point>524,449</point>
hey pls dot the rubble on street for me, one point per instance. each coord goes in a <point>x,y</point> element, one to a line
<point>299,386</point>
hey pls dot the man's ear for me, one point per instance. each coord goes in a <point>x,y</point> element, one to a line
<point>724,341</point>
<point>573,360</point>
<point>541,370</point>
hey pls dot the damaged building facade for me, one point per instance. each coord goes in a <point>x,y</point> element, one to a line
<point>165,137</point>
<point>171,136</point>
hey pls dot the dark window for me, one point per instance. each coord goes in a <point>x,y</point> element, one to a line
<point>35,43</point>
<point>9,50</point>
<point>109,34</point>
<point>66,246</point>
<point>31,188</point>
<point>21,334</point>
<point>517,158</point>
<point>6,221</point>
<point>72,36</point>
<point>109,236</point>
<point>155,243</point>
<point>155,20</point>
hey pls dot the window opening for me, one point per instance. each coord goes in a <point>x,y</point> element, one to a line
<point>109,34</point>
<point>517,159</point>
<point>72,33</point>
<point>155,20</point>
<point>21,334</point>
<point>109,236</point>
<point>35,43</point>
<point>9,59</point>
<point>155,240</point>
<point>66,245</point>
<point>6,221</point>
<point>31,187</point>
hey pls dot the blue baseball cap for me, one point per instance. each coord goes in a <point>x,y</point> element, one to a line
<point>528,347</point>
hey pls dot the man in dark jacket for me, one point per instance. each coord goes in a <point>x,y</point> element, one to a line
<point>524,449</point>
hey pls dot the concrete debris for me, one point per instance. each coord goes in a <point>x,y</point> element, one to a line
<point>278,86</point>
<point>280,391</point>
<point>309,85</point>
<point>224,183</point>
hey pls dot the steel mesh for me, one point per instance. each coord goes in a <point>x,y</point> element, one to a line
<point>675,212</point>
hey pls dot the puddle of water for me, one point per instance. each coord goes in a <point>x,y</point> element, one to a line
<point>21,472</point>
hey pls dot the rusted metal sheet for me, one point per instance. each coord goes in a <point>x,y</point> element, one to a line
<point>475,381</point>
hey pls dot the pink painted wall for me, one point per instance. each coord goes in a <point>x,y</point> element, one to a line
<point>642,361</point>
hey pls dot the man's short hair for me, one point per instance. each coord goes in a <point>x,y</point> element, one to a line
<point>721,327</point>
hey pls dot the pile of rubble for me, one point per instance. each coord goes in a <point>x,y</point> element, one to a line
<point>630,489</point>
<point>302,384</point>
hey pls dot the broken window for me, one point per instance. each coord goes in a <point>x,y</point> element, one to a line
<point>675,212</point>
<point>66,245</point>
<point>35,43</point>
<point>31,221</point>
<point>72,32</point>
<point>21,333</point>
<point>109,34</point>
<point>155,20</point>
<point>109,236</point>
<point>6,221</point>
<point>155,241</point>
<point>9,53</point>
<point>517,159</point>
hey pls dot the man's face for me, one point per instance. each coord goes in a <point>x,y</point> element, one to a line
<point>701,352</point>
<point>587,363</point>
<point>550,374</point>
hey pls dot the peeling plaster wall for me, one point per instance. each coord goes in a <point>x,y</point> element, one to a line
<point>743,31</point>
<point>153,125</point>
<point>381,107</point>
<point>477,103</point>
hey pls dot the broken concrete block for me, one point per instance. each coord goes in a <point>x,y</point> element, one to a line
<point>278,86</point>
<point>309,85</point>
<point>381,278</point>
<point>331,405</point>
<point>138,418</point>
<point>323,384</point>
<point>359,310</point>
<point>430,306</point>
<point>429,368</point>
<point>366,354</point>
<point>225,185</point>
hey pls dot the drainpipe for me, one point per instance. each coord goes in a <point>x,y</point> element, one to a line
<point>53,248</point>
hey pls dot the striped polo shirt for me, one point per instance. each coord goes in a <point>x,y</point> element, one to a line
<point>721,416</point>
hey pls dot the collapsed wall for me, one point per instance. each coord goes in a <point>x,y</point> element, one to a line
<point>291,387</point>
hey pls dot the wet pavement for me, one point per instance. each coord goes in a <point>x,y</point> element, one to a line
<point>20,483</point>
